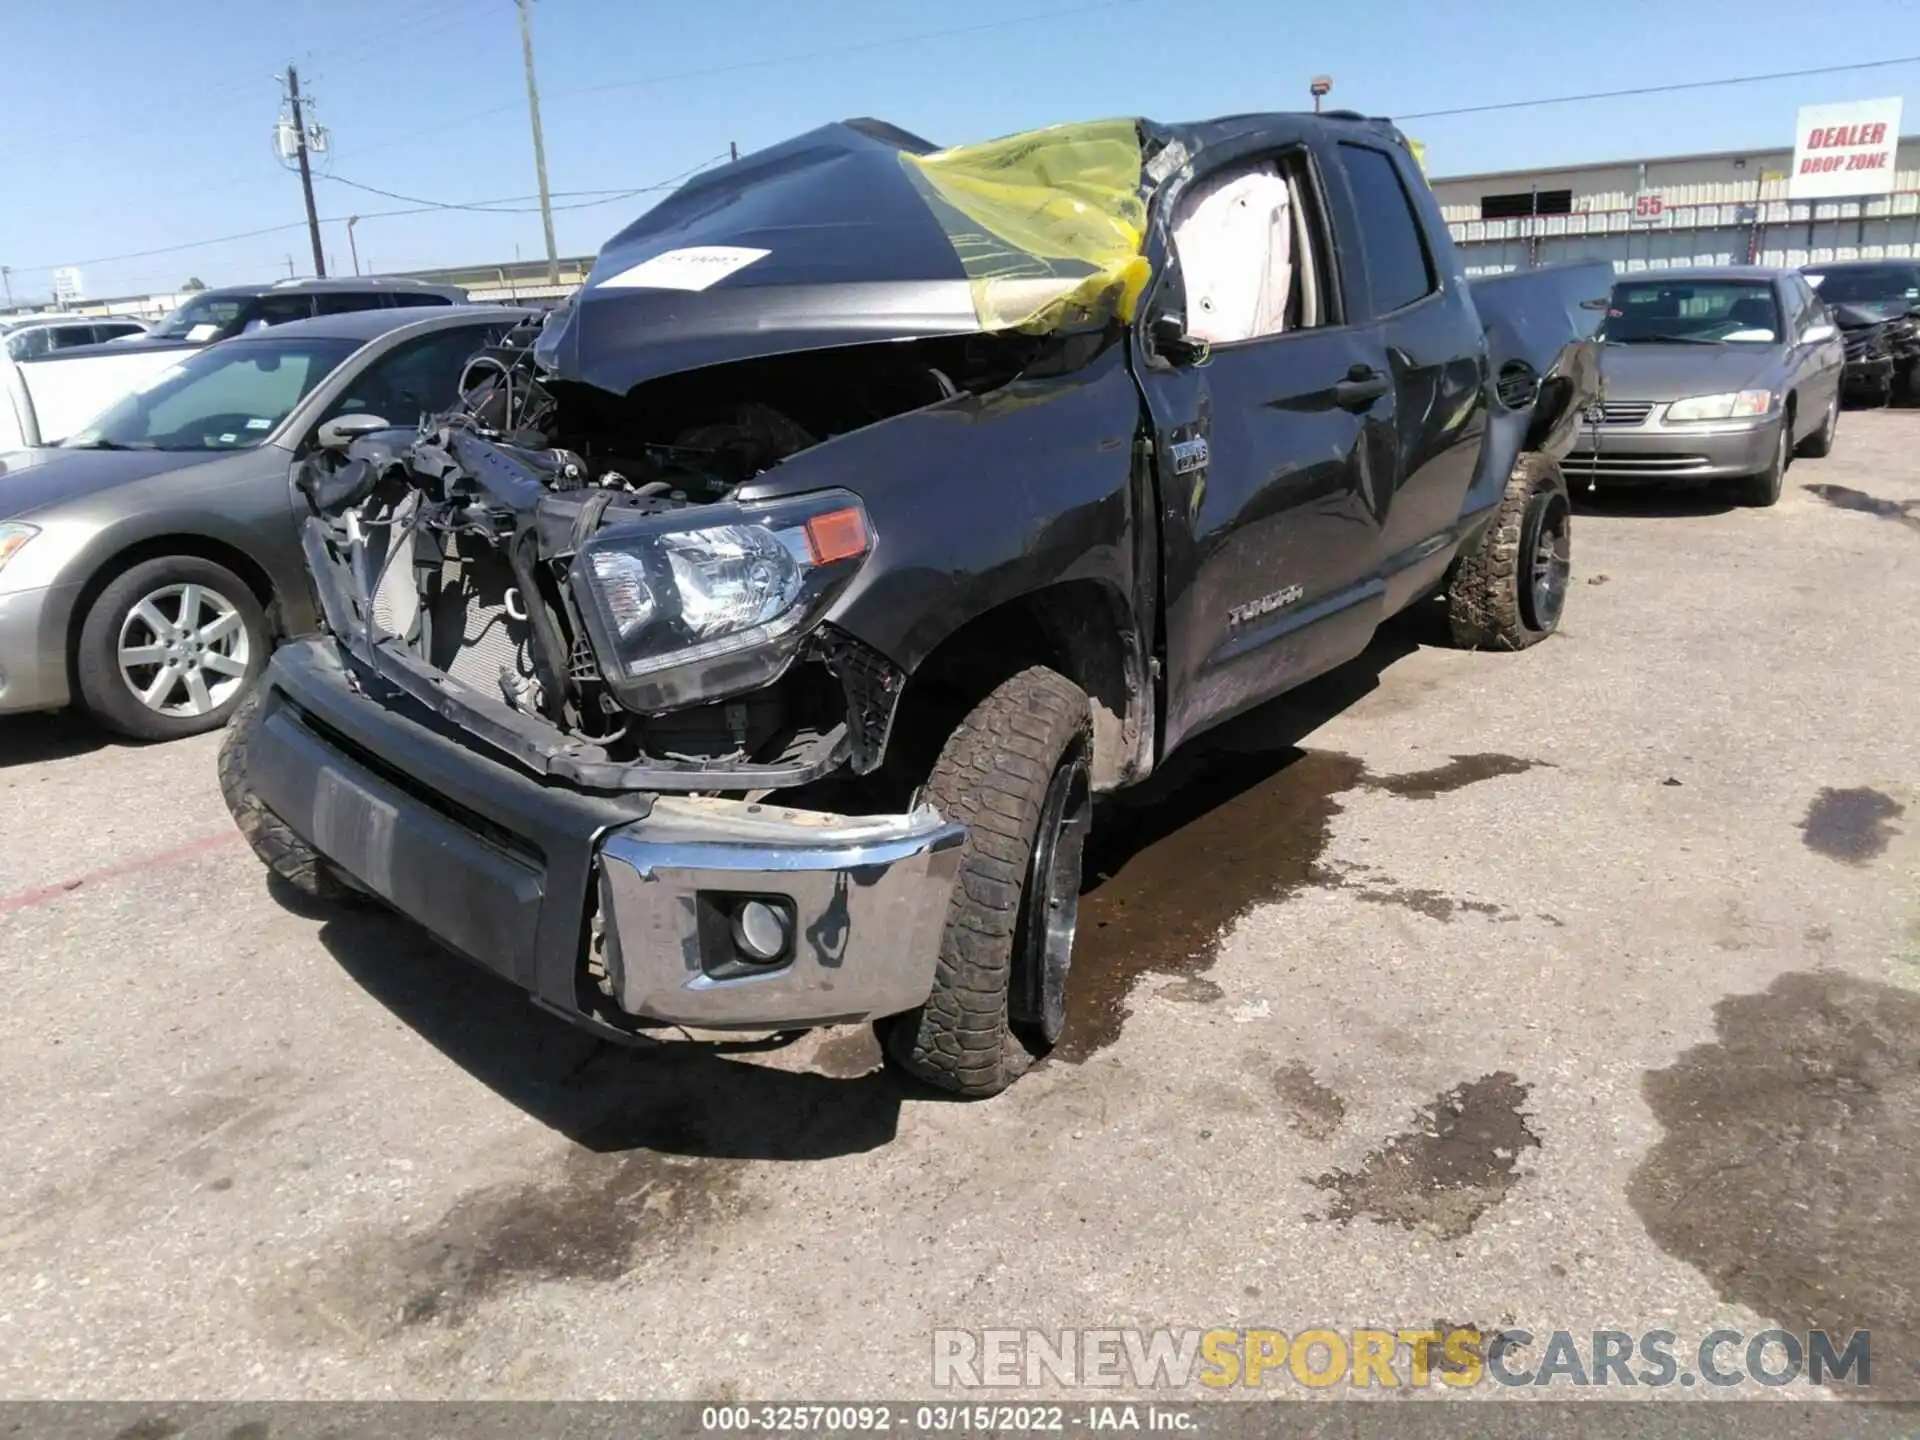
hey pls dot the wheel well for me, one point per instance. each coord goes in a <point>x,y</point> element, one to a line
<point>201,547</point>
<point>1078,628</point>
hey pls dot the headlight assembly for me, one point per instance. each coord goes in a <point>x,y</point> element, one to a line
<point>14,534</point>
<point>704,603</point>
<point>1733,405</point>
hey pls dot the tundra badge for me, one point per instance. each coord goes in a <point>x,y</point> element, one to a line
<point>1265,605</point>
<point>1189,454</point>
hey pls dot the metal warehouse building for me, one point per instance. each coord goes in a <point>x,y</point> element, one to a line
<point>1729,208</point>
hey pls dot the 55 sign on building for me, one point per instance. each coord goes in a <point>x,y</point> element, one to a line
<point>1844,149</point>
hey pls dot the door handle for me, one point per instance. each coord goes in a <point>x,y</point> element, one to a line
<point>1360,389</point>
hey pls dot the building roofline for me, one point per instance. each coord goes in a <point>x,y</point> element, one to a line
<point>1761,152</point>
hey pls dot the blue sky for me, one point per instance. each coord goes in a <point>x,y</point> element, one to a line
<point>132,126</point>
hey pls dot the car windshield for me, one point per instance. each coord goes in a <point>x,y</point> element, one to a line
<point>226,397</point>
<point>202,318</point>
<point>1697,311</point>
<point>1867,283</point>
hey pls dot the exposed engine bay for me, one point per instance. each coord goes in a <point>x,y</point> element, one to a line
<point>579,569</point>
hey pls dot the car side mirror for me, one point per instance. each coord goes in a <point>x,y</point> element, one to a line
<point>1172,343</point>
<point>341,431</point>
<point>1819,334</point>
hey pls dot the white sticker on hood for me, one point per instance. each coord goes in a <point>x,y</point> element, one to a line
<point>694,268</point>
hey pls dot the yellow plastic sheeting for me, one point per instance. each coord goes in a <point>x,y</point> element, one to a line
<point>1048,224</point>
<point>1419,153</point>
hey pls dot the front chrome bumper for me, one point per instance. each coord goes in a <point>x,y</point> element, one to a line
<point>1655,452</point>
<point>590,902</point>
<point>866,897</point>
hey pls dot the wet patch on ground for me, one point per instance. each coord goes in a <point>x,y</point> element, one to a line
<point>1459,772</point>
<point>1459,1160</point>
<point>1842,497</point>
<point>1193,990</point>
<point>848,1054</point>
<point>1451,1349</point>
<point>1791,1162</point>
<point>1313,1109</point>
<point>1368,884</point>
<point>1851,825</point>
<point>1163,881</point>
<point>1171,867</point>
<point>595,1219</point>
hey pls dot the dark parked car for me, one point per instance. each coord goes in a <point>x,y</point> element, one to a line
<point>1876,304</point>
<point>147,565</point>
<point>215,315</point>
<point>1712,375</point>
<point>749,655</point>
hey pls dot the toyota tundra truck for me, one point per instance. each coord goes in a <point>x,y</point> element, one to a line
<point>748,648</point>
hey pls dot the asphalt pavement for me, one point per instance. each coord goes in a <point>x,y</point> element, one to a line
<point>1570,990</point>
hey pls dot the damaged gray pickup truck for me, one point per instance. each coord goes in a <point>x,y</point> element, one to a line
<point>747,650</point>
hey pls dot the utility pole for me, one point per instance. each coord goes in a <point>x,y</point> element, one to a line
<point>306,170</point>
<point>539,145</point>
<point>733,146</point>
<point>353,220</point>
<point>6,274</point>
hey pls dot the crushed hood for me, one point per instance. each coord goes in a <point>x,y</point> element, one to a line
<point>860,232</point>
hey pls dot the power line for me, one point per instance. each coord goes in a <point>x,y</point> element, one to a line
<point>470,116</point>
<point>222,98</point>
<point>834,50</point>
<point>1661,89</point>
<point>416,206</point>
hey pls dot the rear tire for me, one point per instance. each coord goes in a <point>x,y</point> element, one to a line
<point>1819,445</point>
<point>284,853</point>
<point>1764,489</point>
<point>1508,591</point>
<point>1002,773</point>
<point>184,632</point>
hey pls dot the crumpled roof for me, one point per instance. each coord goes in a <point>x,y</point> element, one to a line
<point>860,231</point>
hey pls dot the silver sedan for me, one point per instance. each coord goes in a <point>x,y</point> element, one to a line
<point>1712,375</point>
<point>148,564</point>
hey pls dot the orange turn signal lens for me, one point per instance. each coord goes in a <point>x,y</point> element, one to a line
<point>837,535</point>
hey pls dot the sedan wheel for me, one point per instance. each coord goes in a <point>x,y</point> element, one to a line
<point>170,647</point>
<point>184,650</point>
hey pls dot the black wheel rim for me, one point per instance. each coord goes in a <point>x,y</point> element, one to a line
<point>1548,559</point>
<point>1051,905</point>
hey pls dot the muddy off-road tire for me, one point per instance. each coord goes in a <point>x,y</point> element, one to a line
<point>279,849</point>
<point>1507,592</point>
<point>996,775</point>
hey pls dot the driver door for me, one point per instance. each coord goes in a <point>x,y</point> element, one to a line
<point>1268,452</point>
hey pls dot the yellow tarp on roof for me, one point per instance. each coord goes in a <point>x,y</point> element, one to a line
<point>1048,225</point>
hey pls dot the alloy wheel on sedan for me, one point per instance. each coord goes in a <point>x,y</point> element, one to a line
<point>184,650</point>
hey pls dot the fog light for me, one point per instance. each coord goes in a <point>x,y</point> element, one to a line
<point>761,930</point>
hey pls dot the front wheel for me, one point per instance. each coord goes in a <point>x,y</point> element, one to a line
<point>170,648</point>
<point>1016,773</point>
<point>1819,445</point>
<point>1764,489</point>
<point>1508,591</point>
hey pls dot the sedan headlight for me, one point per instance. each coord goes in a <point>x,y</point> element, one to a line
<point>1733,405</point>
<point>704,603</point>
<point>14,534</point>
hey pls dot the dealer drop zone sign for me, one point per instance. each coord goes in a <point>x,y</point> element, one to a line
<point>1844,149</point>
